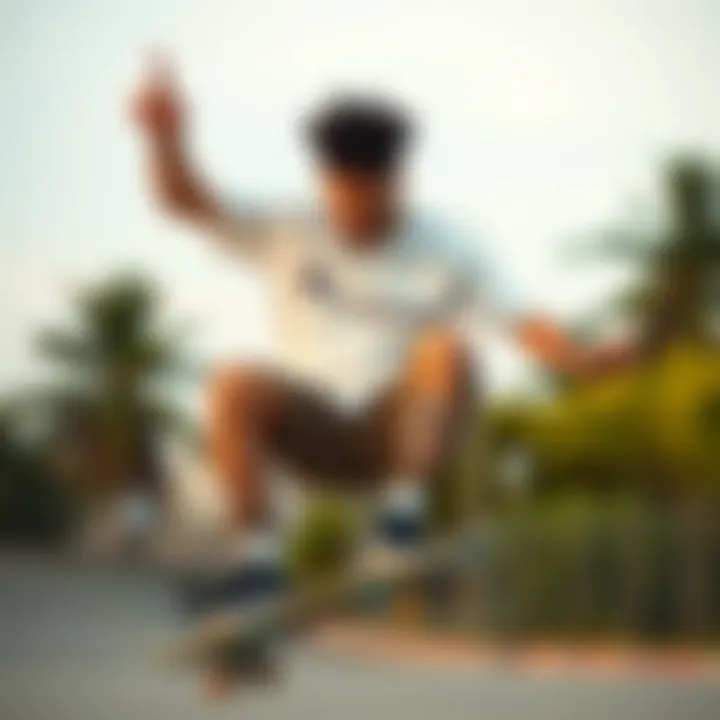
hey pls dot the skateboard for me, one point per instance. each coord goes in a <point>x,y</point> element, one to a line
<point>246,633</point>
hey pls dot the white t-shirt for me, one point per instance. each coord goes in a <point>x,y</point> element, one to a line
<point>345,318</point>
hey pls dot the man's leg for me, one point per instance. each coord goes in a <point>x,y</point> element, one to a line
<point>431,412</point>
<point>434,404</point>
<point>430,415</point>
<point>254,416</point>
<point>243,405</point>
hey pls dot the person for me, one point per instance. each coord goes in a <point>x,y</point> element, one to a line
<point>373,382</point>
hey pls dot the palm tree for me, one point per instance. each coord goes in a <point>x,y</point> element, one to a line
<point>106,415</point>
<point>678,294</point>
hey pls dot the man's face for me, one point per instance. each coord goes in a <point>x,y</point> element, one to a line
<point>361,205</point>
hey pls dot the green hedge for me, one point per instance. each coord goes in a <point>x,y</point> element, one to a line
<point>325,540</point>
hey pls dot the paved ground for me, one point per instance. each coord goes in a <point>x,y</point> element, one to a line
<point>77,644</point>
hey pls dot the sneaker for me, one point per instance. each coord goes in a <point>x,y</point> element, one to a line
<point>245,587</point>
<point>401,531</point>
<point>242,587</point>
<point>401,525</point>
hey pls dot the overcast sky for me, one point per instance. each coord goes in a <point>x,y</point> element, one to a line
<point>542,118</point>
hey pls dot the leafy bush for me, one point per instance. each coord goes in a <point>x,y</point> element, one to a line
<point>325,540</point>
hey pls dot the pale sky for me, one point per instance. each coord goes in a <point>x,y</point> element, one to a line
<point>542,118</point>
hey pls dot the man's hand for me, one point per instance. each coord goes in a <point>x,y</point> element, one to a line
<point>159,110</point>
<point>158,107</point>
<point>549,345</point>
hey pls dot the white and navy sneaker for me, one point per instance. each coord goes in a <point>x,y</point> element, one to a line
<point>255,577</point>
<point>402,520</point>
<point>253,580</point>
<point>399,531</point>
<point>398,538</point>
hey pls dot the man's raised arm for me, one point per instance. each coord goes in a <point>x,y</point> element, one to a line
<point>179,187</point>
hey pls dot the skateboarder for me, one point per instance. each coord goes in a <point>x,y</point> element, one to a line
<point>373,379</point>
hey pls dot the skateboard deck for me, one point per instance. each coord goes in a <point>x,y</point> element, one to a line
<point>245,631</point>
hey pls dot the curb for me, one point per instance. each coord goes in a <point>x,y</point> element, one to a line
<point>413,649</point>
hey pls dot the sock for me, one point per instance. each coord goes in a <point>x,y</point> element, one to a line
<point>405,497</point>
<point>403,511</point>
<point>260,546</point>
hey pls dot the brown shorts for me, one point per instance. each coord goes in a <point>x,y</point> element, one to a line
<point>324,444</point>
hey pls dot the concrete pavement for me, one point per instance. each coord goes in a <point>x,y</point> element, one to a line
<point>77,643</point>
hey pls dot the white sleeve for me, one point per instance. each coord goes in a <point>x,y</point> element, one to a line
<point>483,292</point>
<point>478,292</point>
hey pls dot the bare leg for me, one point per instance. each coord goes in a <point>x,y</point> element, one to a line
<point>242,404</point>
<point>435,400</point>
<point>432,406</point>
<point>241,408</point>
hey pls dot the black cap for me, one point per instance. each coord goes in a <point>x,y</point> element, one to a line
<point>360,133</point>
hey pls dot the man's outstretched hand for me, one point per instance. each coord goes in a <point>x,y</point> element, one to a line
<point>545,341</point>
<point>158,106</point>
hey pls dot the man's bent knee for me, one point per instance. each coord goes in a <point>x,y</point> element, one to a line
<point>440,360</point>
<point>240,389</point>
<point>438,390</point>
